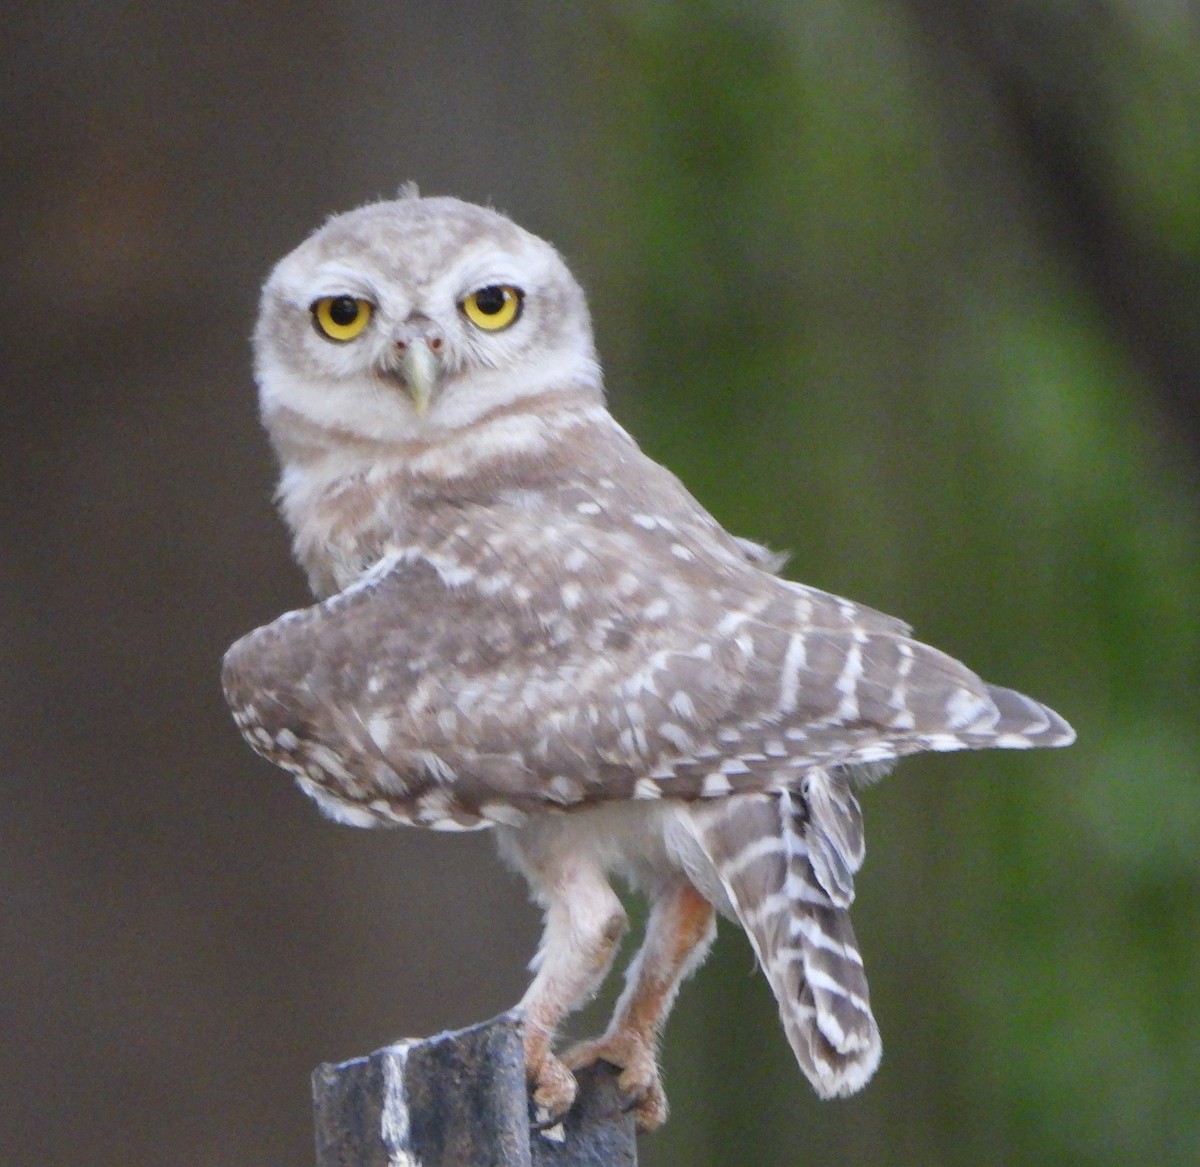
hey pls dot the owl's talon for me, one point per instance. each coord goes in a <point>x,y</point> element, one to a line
<point>638,1078</point>
<point>542,1120</point>
<point>628,1102</point>
<point>650,1111</point>
<point>552,1089</point>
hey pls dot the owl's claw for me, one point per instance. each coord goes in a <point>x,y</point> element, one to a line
<point>552,1088</point>
<point>638,1080</point>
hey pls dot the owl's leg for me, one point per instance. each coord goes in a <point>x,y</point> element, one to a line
<point>584,926</point>
<point>680,929</point>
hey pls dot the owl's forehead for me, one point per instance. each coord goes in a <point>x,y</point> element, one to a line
<point>416,242</point>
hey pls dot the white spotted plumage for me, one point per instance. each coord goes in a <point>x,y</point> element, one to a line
<point>526,625</point>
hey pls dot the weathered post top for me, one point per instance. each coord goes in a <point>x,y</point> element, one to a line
<point>460,1100</point>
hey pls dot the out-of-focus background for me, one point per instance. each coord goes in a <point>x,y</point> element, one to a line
<point>910,287</point>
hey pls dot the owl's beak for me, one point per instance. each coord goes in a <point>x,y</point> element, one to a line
<point>421,366</point>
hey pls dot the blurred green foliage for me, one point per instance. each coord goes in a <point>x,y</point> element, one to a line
<point>852,335</point>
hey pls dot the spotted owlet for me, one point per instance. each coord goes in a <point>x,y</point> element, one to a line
<point>527,625</point>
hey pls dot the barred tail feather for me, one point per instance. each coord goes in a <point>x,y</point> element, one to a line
<point>795,911</point>
<point>1024,723</point>
<point>828,1017</point>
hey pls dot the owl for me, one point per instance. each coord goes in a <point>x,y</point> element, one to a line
<point>525,625</point>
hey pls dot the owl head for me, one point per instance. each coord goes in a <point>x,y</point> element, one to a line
<point>405,318</point>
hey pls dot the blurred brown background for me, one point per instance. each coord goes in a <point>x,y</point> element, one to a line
<point>910,288</point>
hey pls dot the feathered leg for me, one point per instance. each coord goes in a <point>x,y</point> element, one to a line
<point>584,926</point>
<point>680,929</point>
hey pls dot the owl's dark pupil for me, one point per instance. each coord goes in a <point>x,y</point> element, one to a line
<point>343,310</point>
<point>489,301</point>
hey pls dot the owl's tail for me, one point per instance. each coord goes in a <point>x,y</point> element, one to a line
<point>786,865</point>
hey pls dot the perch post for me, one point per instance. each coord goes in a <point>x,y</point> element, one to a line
<point>460,1100</point>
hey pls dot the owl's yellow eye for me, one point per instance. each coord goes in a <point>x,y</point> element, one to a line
<point>494,307</point>
<point>341,317</point>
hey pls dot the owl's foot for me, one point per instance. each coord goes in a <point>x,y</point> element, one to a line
<point>638,1079</point>
<point>552,1087</point>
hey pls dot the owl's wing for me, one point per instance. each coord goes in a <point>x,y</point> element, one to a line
<point>516,659</point>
